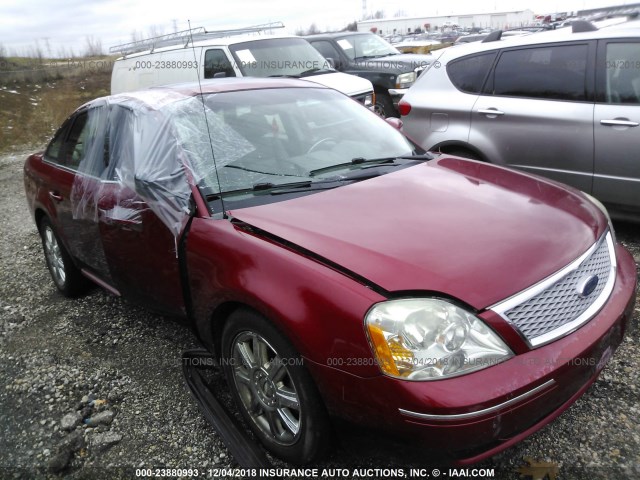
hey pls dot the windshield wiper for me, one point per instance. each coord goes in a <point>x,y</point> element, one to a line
<point>365,57</point>
<point>354,161</point>
<point>315,71</point>
<point>269,185</point>
<point>306,73</point>
<point>259,171</point>
<point>378,161</point>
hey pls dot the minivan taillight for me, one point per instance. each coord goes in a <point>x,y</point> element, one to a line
<point>404,108</point>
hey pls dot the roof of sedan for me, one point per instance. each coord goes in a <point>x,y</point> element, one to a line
<point>232,84</point>
<point>156,97</point>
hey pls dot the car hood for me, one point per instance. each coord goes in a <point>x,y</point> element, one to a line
<point>474,231</point>
<point>347,84</point>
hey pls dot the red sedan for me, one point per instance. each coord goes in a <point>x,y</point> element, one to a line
<point>334,267</point>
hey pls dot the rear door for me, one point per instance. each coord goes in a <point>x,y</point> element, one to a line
<point>71,186</point>
<point>617,124</point>
<point>536,112</point>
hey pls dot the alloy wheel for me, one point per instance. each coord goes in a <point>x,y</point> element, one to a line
<point>266,388</point>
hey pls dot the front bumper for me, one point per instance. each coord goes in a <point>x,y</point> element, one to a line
<point>480,414</point>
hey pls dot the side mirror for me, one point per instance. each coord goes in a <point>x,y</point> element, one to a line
<point>394,122</point>
<point>219,75</point>
<point>331,61</point>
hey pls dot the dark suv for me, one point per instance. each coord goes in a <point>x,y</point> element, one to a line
<point>369,56</point>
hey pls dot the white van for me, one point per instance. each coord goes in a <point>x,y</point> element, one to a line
<point>198,54</point>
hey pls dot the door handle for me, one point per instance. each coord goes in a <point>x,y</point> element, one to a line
<point>619,123</point>
<point>55,196</point>
<point>490,111</point>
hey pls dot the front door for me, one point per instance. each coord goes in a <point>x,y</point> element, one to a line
<point>141,249</point>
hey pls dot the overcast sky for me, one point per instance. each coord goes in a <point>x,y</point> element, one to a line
<point>59,25</point>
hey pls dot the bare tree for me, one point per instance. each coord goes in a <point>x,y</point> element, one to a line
<point>93,47</point>
<point>3,52</point>
<point>136,36</point>
<point>400,13</point>
<point>36,53</point>
<point>156,31</point>
<point>313,29</point>
<point>47,46</point>
<point>375,16</point>
<point>351,27</point>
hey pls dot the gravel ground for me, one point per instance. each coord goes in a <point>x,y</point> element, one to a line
<point>92,388</point>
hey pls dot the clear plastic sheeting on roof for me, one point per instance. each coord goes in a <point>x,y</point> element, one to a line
<point>147,152</point>
<point>132,157</point>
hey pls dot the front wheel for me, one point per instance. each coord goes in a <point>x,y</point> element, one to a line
<point>272,389</point>
<point>66,276</point>
<point>384,106</point>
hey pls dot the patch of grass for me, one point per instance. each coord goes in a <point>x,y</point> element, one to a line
<point>32,109</point>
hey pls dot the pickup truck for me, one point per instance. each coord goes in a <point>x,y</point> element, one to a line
<point>369,56</point>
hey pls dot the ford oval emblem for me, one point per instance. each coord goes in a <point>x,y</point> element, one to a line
<point>586,285</point>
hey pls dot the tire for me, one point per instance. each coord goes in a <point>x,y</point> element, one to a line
<point>277,399</point>
<point>462,152</point>
<point>384,106</point>
<point>65,275</point>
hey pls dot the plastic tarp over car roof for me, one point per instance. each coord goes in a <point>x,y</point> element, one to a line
<point>148,144</point>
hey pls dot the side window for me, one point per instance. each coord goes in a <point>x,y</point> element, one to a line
<point>74,146</point>
<point>119,146</point>
<point>84,146</point>
<point>548,72</point>
<point>468,73</point>
<point>216,61</point>
<point>55,146</point>
<point>622,67</point>
<point>326,49</point>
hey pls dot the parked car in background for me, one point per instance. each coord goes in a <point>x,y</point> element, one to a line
<point>369,56</point>
<point>246,206</point>
<point>476,37</point>
<point>563,103</point>
<point>198,54</point>
<point>420,43</point>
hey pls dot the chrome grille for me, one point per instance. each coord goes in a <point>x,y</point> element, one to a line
<point>543,314</point>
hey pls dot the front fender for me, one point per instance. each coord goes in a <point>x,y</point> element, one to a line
<point>320,310</point>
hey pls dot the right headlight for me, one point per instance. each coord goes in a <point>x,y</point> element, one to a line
<point>431,339</point>
<point>405,80</point>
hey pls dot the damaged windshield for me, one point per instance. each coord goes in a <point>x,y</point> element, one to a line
<point>279,137</point>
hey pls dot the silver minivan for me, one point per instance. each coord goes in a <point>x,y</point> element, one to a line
<point>564,104</point>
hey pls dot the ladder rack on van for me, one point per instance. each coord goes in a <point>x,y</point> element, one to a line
<point>184,37</point>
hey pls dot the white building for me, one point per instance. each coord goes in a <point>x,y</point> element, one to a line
<point>404,25</point>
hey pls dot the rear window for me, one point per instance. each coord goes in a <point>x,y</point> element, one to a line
<point>468,73</point>
<point>549,72</point>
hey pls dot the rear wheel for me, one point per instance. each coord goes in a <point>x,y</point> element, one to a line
<point>66,276</point>
<point>272,389</point>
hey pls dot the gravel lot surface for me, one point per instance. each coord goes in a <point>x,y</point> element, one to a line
<point>93,388</point>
